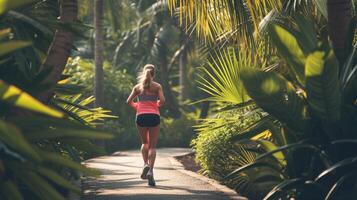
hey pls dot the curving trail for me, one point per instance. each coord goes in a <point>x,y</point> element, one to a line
<point>120,179</point>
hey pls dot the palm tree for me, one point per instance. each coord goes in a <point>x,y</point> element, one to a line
<point>238,20</point>
<point>183,74</point>
<point>59,50</point>
<point>98,53</point>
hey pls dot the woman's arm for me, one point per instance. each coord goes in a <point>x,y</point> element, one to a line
<point>131,97</point>
<point>161,100</point>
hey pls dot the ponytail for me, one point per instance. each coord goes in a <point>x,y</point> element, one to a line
<point>146,75</point>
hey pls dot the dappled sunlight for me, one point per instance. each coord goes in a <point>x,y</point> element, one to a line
<point>270,86</point>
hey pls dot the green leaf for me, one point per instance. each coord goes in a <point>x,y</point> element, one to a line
<point>298,145</point>
<point>322,85</point>
<point>55,177</point>
<point>284,187</point>
<point>63,161</point>
<point>13,138</point>
<point>306,35</point>
<point>337,170</point>
<point>6,5</point>
<point>254,129</point>
<point>257,164</point>
<point>84,145</point>
<point>8,47</point>
<point>269,146</point>
<point>19,98</point>
<point>40,186</point>
<point>67,133</point>
<point>289,48</point>
<point>222,76</point>
<point>10,153</point>
<point>276,96</point>
<point>9,190</point>
<point>339,188</point>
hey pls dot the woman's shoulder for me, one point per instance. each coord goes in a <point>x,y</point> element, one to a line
<point>156,84</point>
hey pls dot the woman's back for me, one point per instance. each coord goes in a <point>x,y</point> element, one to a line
<point>147,99</point>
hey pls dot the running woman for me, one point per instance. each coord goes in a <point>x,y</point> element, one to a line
<point>149,98</point>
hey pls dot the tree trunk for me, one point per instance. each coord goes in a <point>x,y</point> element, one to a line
<point>183,75</point>
<point>98,53</point>
<point>204,109</point>
<point>59,50</point>
<point>339,17</point>
<point>172,104</point>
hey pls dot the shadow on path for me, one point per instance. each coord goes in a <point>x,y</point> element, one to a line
<point>120,180</point>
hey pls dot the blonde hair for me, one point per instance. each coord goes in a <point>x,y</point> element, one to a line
<point>146,75</point>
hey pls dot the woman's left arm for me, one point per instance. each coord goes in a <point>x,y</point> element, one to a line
<point>131,97</point>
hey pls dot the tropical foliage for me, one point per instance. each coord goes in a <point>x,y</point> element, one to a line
<point>41,145</point>
<point>293,135</point>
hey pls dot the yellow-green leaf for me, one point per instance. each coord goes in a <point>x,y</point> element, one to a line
<point>322,85</point>
<point>290,50</point>
<point>19,98</point>
<point>8,47</point>
<point>67,133</point>
<point>6,5</point>
<point>269,146</point>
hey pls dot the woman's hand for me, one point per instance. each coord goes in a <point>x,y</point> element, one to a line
<point>134,105</point>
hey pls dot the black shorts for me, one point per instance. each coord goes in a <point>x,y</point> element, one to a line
<point>148,120</point>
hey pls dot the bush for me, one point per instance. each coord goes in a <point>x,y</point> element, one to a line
<point>177,132</point>
<point>218,154</point>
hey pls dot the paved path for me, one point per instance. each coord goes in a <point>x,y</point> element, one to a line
<point>120,179</point>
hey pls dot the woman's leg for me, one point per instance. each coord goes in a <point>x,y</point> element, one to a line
<point>153,136</point>
<point>144,136</point>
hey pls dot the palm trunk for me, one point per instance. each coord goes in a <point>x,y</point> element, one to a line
<point>204,109</point>
<point>98,53</point>
<point>339,17</point>
<point>172,104</point>
<point>183,75</point>
<point>59,50</point>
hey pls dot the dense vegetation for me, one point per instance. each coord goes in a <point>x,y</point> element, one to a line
<point>264,91</point>
<point>46,126</point>
<point>287,82</point>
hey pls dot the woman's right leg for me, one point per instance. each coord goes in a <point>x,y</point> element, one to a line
<point>144,135</point>
<point>153,137</point>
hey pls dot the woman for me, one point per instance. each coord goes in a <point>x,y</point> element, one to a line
<point>150,98</point>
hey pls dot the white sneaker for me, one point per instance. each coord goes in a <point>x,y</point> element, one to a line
<point>150,177</point>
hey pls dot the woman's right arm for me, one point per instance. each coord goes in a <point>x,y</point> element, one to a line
<point>131,97</point>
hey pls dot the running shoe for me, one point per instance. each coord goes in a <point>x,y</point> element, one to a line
<point>150,176</point>
<point>145,171</point>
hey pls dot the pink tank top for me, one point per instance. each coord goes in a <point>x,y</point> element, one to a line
<point>147,103</point>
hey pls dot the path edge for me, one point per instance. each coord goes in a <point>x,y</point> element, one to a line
<point>230,193</point>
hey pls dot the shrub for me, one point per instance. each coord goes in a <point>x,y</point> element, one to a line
<point>177,132</point>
